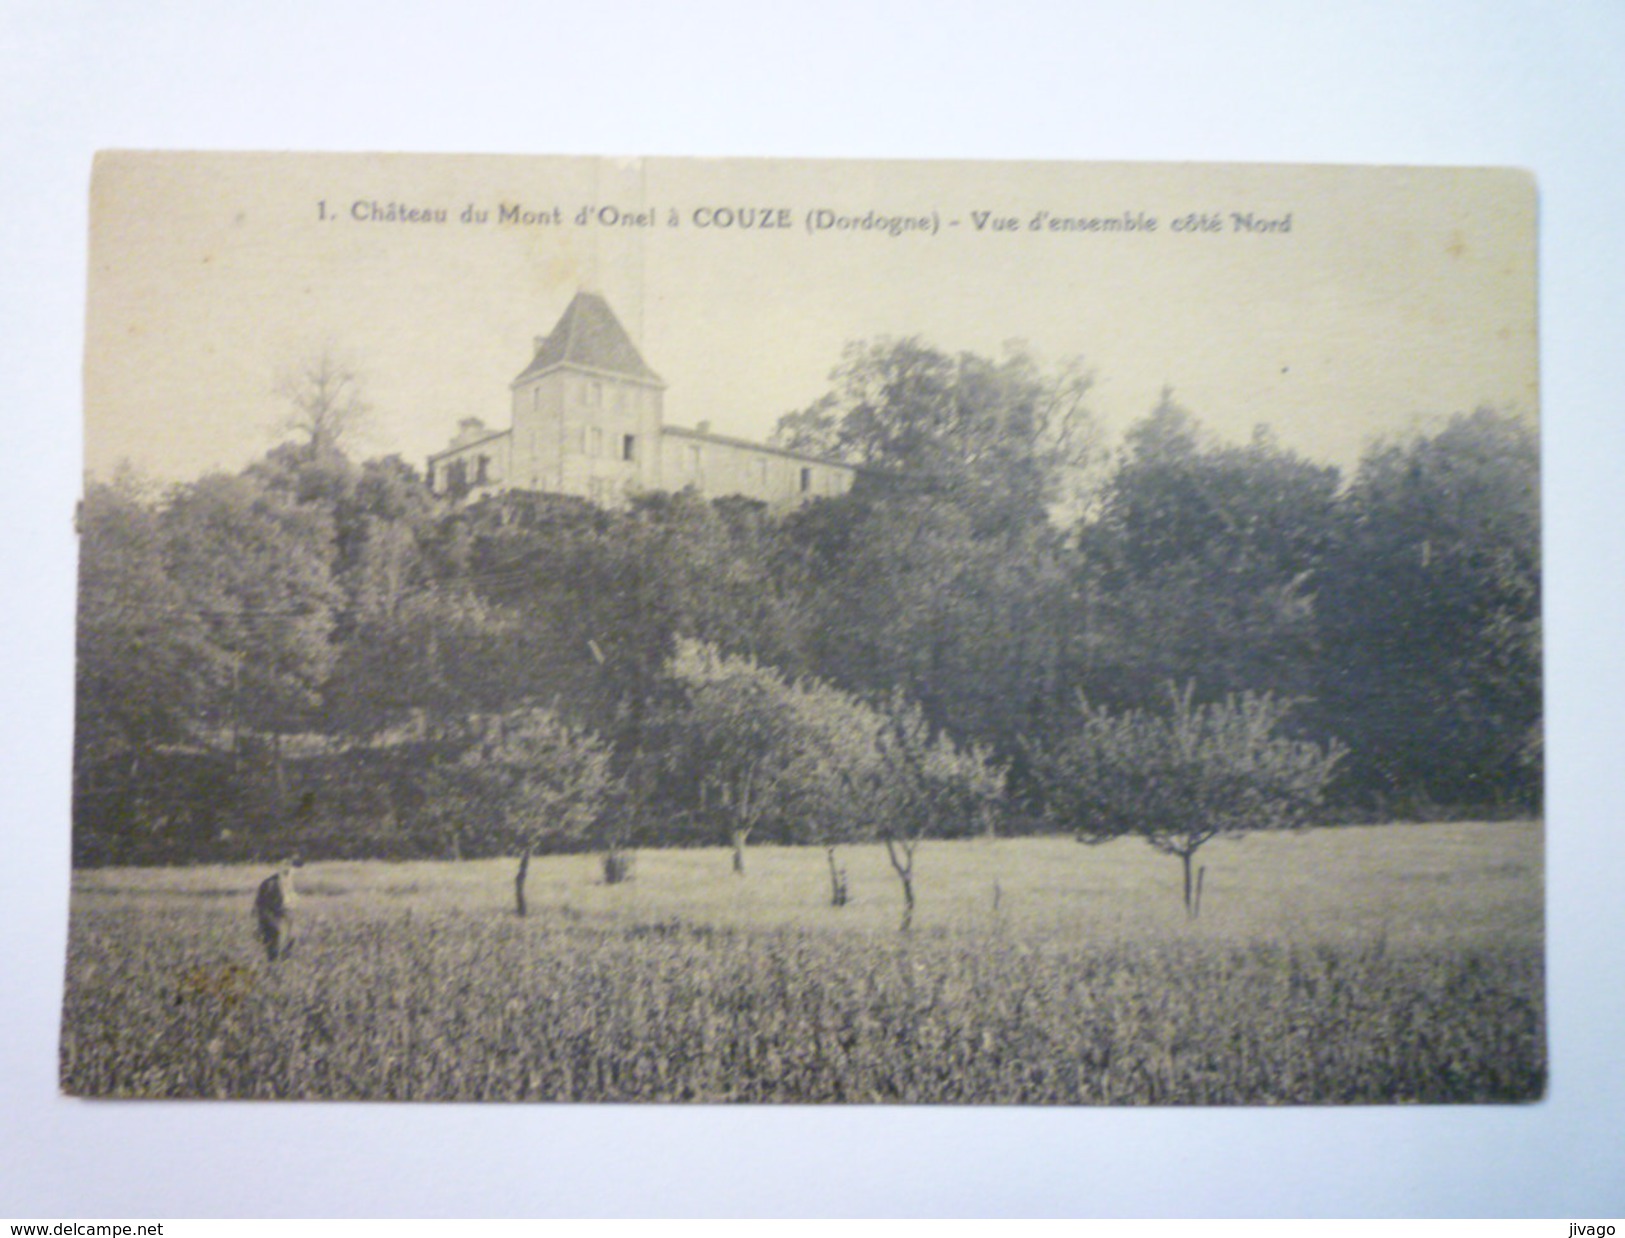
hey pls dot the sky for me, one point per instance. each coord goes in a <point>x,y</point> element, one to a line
<point>1376,303</point>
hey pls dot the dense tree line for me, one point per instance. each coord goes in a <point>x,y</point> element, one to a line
<point>319,653</point>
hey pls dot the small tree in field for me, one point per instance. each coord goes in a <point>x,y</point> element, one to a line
<point>736,736</point>
<point>920,786</point>
<point>756,747</point>
<point>1182,778</point>
<point>839,749</point>
<point>531,778</point>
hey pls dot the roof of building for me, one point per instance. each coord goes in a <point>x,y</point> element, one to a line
<point>473,442</point>
<point>591,337</point>
<point>765,448</point>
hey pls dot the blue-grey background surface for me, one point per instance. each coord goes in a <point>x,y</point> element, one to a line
<point>1533,85</point>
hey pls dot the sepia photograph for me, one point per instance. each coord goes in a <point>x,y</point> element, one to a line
<point>578,629</point>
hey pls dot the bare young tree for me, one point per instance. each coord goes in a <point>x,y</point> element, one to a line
<point>326,404</point>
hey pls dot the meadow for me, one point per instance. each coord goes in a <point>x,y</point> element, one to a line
<point>1383,964</point>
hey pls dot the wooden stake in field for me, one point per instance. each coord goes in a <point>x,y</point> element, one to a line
<point>837,879</point>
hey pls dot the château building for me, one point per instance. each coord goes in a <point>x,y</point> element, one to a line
<point>587,420</point>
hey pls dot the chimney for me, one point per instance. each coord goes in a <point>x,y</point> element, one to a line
<point>703,427</point>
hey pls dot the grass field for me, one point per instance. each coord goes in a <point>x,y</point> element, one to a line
<point>1397,963</point>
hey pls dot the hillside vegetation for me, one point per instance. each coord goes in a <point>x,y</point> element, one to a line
<point>1006,625</point>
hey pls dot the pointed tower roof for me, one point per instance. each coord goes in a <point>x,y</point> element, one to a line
<point>591,337</point>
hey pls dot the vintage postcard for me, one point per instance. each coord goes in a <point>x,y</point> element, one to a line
<point>601,629</point>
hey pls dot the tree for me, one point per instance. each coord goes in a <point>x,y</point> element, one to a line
<point>594,618</point>
<point>326,481</point>
<point>819,763</point>
<point>999,437</point>
<point>327,407</point>
<point>760,750</point>
<point>943,572</point>
<point>720,563</point>
<point>1430,613</point>
<point>414,635</point>
<point>144,662</point>
<point>1181,778</point>
<point>900,592</point>
<point>256,567</point>
<point>921,786</point>
<point>838,740</point>
<point>1202,563</point>
<point>737,733</point>
<point>144,668</point>
<point>438,653</point>
<point>531,779</point>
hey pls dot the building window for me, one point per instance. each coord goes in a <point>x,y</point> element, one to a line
<point>629,446</point>
<point>536,396</point>
<point>594,393</point>
<point>482,469</point>
<point>595,442</point>
<point>694,461</point>
<point>806,480</point>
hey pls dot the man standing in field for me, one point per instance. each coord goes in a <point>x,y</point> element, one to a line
<point>273,910</point>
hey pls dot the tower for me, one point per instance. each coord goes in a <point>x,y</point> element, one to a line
<point>587,410</point>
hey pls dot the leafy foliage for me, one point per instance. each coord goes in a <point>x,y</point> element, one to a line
<point>256,568</point>
<point>1430,609</point>
<point>1181,778</point>
<point>144,662</point>
<point>922,785</point>
<point>757,748</point>
<point>530,780</point>
<point>999,438</point>
<point>1203,560</point>
<point>903,595</point>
